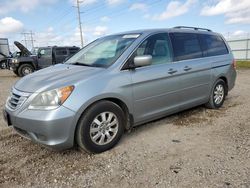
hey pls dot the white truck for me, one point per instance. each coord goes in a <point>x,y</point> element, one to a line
<point>4,53</point>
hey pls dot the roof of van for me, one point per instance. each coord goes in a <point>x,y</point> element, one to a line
<point>174,29</point>
<point>76,47</point>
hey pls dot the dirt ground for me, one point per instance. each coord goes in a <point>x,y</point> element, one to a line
<point>195,148</point>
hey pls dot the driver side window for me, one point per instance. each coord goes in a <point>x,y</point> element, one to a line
<point>158,47</point>
<point>45,52</point>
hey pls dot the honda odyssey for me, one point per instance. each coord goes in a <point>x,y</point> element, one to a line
<point>120,81</point>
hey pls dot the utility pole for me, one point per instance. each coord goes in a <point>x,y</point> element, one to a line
<point>79,20</point>
<point>28,38</point>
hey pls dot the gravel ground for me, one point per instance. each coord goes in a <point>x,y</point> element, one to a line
<point>195,148</point>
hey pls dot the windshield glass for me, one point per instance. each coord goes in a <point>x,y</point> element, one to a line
<point>16,54</point>
<point>103,52</point>
<point>34,51</point>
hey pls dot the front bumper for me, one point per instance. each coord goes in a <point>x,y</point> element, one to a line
<point>53,128</point>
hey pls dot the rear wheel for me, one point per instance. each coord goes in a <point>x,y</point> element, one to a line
<point>100,127</point>
<point>218,95</point>
<point>25,69</point>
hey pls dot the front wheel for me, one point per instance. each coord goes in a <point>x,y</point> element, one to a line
<point>3,65</point>
<point>25,69</point>
<point>218,95</point>
<point>101,127</point>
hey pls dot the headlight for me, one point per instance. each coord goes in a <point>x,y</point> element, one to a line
<point>52,99</point>
<point>14,60</point>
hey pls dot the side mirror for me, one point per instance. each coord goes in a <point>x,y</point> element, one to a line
<point>141,61</point>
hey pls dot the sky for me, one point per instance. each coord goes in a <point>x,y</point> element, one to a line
<point>55,22</point>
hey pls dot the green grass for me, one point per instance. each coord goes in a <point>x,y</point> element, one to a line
<point>243,64</point>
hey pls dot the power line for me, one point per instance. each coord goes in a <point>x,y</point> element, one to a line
<point>59,18</point>
<point>63,15</point>
<point>31,37</point>
<point>121,11</point>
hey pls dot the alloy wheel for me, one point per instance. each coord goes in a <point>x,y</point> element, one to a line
<point>104,128</point>
<point>218,94</point>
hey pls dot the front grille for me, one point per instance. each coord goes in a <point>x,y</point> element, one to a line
<point>16,99</point>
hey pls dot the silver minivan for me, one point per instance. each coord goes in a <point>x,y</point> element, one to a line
<point>120,81</point>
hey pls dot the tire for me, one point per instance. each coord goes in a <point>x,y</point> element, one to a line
<point>3,65</point>
<point>25,69</point>
<point>94,119</point>
<point>217,97</point>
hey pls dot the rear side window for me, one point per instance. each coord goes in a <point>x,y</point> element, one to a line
<point>185,46</point>
<point>73,50</point>
<point>212,45</point>
<point>61,51</point>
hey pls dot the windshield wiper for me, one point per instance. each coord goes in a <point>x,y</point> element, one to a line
<point>82,64</point>
<point>87,65</point>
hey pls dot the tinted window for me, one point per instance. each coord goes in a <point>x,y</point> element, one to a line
<point>185,46</point>
<point>61,51</point>
<point>73,50</point>
<point>158,47</point>
<point>212,45</point>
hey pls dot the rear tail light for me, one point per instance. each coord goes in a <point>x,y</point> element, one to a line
<point>234,64</point>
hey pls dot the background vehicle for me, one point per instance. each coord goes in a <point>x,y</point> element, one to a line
<point>120,81</point>
<point>4,53</point>
<point>39,58</point>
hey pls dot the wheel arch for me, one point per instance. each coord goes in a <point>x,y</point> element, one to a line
<point>117,101</point>
<point>27,62</point>
<point>222,77</point>
<point>125,109</point>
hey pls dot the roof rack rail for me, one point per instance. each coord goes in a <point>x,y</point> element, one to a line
<point>195,28</point>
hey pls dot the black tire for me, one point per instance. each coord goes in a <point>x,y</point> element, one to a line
<point>212,103</point>
<point>25,69</point>
<point>83,136</point>
<point>3,65</point>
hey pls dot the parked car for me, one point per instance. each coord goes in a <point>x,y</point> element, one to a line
<point>39,58</point>
<point>4,53</point>
<point>120,81</point>
<point>3,61</point>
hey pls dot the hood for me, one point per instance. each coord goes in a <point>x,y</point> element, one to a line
<point>55,77</point>
<point>23,49</point>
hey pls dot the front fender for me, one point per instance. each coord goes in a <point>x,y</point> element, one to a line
<point>103,97</point>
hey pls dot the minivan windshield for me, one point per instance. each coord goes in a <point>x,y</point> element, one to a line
<point>103,52</point>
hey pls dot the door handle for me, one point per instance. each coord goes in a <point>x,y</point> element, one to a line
<point>187,68</point>
<point>172,71</point>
